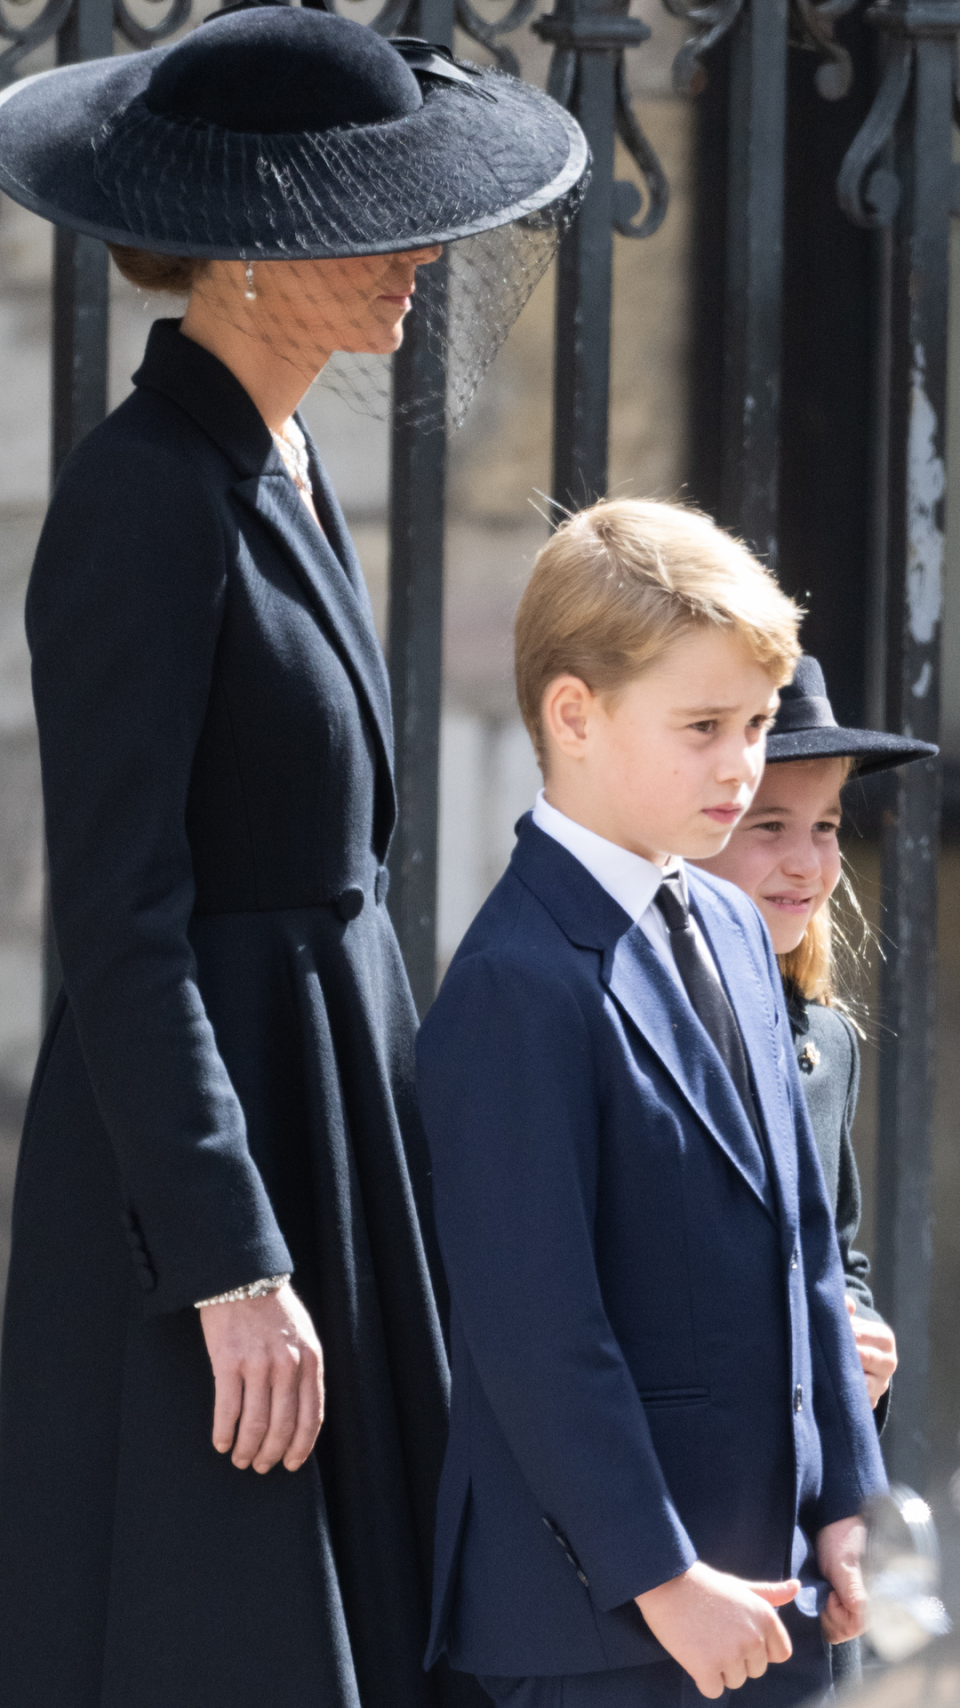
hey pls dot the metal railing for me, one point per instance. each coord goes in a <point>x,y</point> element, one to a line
<point>897,179</point>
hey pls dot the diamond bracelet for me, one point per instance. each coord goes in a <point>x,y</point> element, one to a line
<point>253,1290</point>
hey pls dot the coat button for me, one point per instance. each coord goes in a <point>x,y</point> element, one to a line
<point>798,1397</point>
<point>349,903</point>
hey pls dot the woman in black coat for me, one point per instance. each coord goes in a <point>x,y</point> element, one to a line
<point>224,1096</point>
<point>784,853</point>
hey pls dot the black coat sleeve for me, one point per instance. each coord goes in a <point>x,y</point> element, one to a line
<point>124,610</point>
<point>856,1265</point>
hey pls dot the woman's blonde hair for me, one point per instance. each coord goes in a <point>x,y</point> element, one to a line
<point>619,583</point>
<point>172,274</point>
<point>826,963</point>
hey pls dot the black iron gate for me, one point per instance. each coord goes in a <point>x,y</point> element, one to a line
<point>771,164</point>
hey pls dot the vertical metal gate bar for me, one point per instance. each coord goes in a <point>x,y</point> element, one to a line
<point>590,37</point>
<point>79,352</point>
<point>415,622</point>
<point>581,391</point>
<point>912,821</point>
<point>754,285</point>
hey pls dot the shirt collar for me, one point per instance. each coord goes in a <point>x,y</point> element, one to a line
<point>631,880</point>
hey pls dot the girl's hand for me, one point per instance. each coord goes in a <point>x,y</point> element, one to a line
<point>839,1553</point>
<point>268,1369</point>
<point>877,1347</point>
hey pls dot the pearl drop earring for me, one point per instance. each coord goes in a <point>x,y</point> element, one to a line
<point>250,293</point>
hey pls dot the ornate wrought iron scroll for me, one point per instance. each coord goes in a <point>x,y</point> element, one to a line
<point>711,23</point>
<point>25,38</point>
<point>814,22</point>
<point>55,15</point>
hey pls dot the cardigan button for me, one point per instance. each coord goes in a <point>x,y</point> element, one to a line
<point>349,903</point>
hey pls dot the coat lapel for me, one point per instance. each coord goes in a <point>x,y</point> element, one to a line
<point>324,578</point>
<point>642,987</point>
<point>325,564</point>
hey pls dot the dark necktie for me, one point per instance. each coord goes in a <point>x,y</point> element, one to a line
<point>708,998</point>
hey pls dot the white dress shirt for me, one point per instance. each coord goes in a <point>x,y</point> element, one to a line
<point>631,880</point>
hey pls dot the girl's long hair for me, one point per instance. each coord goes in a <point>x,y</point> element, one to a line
<point>827,962</point>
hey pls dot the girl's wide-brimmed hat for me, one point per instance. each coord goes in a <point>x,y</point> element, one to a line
<point>281,133</point>
<point>805,728</point>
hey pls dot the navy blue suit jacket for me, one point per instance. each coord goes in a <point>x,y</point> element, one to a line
<point>652,1360</point>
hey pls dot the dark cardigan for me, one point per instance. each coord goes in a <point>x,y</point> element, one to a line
<point>225,1091</point>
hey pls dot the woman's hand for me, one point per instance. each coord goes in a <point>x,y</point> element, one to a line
<point>877,1347</point>
<point>268,1369</point>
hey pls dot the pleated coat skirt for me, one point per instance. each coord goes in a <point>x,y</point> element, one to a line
<point>224,1092</point>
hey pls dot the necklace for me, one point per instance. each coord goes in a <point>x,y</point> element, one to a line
<point>293,449</point>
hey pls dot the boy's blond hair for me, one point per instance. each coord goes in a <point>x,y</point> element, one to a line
<point>618,584</point>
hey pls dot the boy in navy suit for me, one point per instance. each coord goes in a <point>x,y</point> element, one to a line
<point>660,1438</point>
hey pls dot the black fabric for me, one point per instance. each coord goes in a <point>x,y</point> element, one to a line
<point>225,1091</point>
<point>101,147</point>
<point>707,996</point>
<point>805,728</point>
<point>828,1057</point>
<point>265,72</point>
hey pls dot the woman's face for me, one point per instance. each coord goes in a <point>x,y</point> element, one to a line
<point>784,852</point>
<point>305,310</point>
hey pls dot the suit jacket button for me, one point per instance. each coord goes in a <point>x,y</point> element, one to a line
<point>798,1397</point>
<point>349,903</point>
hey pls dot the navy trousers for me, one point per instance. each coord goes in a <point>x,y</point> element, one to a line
<point>805,1679</point>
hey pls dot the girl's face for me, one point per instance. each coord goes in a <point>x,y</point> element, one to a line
<point>784,852</point>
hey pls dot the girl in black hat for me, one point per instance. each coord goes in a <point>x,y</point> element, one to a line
<point>222,1165</point>
<point>784,853</point>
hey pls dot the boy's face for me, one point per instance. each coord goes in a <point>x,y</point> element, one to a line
<point>668,765</point>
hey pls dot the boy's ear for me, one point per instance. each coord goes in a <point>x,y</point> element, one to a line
<point>567,706</point>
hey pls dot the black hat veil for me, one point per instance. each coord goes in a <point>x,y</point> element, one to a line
<point>283,133</point>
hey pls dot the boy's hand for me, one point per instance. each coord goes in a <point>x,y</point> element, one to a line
<point>839,1551</point>
<point>721,1629</point>
<point>268,1371</point>
<point>878,1351</point>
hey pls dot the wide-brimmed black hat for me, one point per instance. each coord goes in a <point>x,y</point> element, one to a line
<point>278,133</point>
<point>805,728</point>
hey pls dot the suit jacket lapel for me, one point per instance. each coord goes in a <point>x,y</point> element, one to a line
<point>636,979</point>
<point>330,589</point>
<point>641,985</point>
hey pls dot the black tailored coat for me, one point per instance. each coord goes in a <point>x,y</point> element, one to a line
<point>828,1057</point>
<point>224,1092</point>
